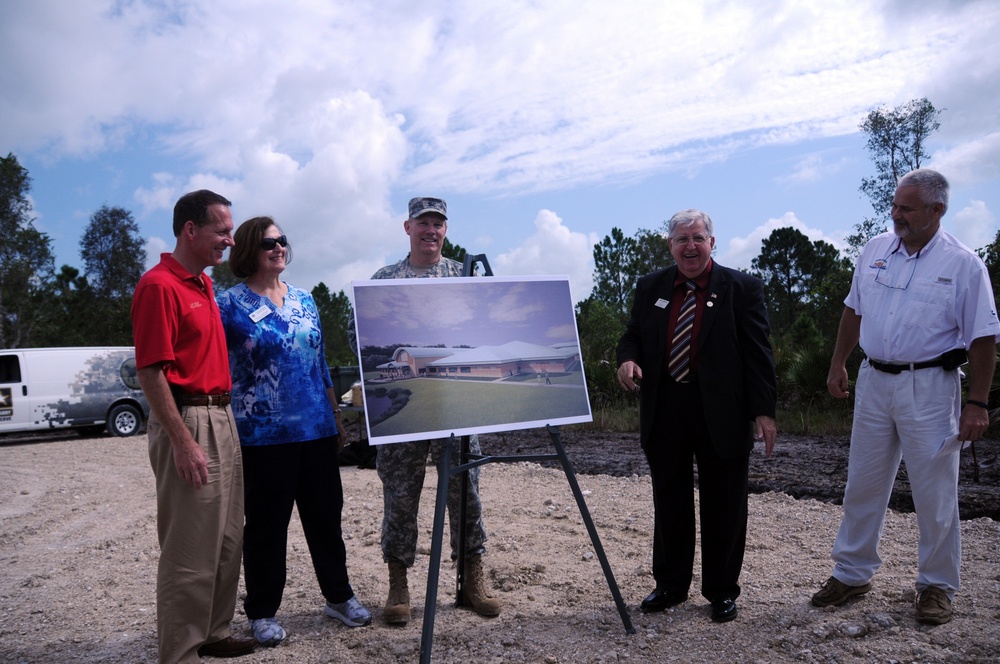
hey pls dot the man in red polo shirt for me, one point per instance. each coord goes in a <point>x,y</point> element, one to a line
<point>180,350</point>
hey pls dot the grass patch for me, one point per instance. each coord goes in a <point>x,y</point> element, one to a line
<point>441,405</point>
<point>623,419</point>
<point>815,421</point>
<point>571,378</point>
<point>830,421</point>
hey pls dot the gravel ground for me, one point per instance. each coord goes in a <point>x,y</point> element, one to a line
<point>78,558</point>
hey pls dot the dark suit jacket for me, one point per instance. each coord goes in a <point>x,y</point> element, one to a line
<point>735,368</point>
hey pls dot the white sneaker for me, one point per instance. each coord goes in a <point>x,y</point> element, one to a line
<point>351,612</point>
<point>267,631</point>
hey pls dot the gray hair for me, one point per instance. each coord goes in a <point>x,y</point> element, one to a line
<point>685,217</point>
<point>934,188</point>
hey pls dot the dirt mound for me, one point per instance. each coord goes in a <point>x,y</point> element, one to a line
<point>801,466</point>
<point>78,557</point>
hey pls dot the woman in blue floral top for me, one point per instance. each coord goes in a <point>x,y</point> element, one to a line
<point>288,421</point>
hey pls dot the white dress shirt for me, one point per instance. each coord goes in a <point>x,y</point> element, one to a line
<point>915,308</point>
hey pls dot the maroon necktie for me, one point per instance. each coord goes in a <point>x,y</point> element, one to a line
<point>679,365</point>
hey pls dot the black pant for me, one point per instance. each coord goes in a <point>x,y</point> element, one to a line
<point>275,477</point>
<point>679,435</point>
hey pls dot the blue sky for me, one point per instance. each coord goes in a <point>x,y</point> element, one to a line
<point>544,123</point>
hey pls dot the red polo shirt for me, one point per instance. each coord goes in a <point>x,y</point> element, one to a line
<point>176,321</point>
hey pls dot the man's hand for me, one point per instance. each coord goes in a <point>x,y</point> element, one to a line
<point>973,422</point>
<point>629,374</point>
<point>342,438</point>
<point>836,382</point>
<point>768,431</point>
<point>189,459</point>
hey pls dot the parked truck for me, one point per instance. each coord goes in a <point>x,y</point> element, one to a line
<point>91,389</point>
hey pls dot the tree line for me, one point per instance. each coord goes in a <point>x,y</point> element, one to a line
<point>805,281</point>
<point>43,307</point>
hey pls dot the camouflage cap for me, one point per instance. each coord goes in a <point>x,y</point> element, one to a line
<point>419,206</point>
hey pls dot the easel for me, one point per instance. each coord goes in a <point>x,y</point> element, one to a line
<point>469,461</point>
<point>445,471</point>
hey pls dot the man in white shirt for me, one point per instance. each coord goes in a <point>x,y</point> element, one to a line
<point>920,302</point>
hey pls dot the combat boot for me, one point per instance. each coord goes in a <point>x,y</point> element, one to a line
<point>397,607</point>
<point>476,590</point>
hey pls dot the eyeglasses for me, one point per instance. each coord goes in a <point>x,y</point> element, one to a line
<point>882,267</point>
<point>684,239</point>
<point>268,243</point>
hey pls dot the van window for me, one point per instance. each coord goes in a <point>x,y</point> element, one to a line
<point>10,369</point>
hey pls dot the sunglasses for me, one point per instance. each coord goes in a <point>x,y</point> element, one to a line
<point>268,243</point>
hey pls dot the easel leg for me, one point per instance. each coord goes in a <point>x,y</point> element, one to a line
<point>463,510</point>
<point>434,569</point>
<point>594,538</point>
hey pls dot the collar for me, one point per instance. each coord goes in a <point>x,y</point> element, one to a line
<point>200,280</point>
<point>701,281</point>
<point>421,267</point>
<point>174,266</point>
<point>922,250</point>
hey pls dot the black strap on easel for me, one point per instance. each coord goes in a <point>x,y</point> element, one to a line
<point>468,462</point>
<point>469,265</point>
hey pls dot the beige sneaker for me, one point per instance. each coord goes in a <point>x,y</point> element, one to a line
<point>933,606</point>
<point>835,593</point>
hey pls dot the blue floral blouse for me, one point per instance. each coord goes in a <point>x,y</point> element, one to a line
<point>279,370</point>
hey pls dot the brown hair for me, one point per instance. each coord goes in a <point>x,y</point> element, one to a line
<point>194,207</point>
<point>243,257</point>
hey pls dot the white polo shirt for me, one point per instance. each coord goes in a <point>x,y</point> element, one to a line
<point>915,308</point>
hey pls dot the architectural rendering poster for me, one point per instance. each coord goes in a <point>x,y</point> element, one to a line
<point>467,355</point>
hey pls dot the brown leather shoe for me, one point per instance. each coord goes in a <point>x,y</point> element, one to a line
<point>834,592</point>
<point>228,647</point>
<point>933,606</point>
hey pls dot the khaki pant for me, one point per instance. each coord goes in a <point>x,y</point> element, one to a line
<point>201,536</point>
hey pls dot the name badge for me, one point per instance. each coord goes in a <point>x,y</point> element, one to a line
<point>259,315</point>
<point>661,303</point>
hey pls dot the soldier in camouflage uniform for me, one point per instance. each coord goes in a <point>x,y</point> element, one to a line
<point>401,466</point>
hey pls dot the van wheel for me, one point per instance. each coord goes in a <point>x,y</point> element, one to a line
<point>124,420</point>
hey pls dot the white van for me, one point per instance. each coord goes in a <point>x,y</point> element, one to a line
<point>89,388</point>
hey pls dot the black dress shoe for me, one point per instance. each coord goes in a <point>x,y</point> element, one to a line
<point>660,600</point>
<point>228,647</point>
<point>723,610</point>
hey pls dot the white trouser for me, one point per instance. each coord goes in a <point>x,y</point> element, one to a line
<point>904,415</point>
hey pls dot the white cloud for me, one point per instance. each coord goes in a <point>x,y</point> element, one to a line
<point>812,167</point>
<point>974,225</point>
<point>493,96</point>
<point>740,251</point>
<point>970,162</point>
<point>319,113</point>
<point>154,247</point>
<point>553,249</point>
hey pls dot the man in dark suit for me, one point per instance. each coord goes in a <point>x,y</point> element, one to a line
<point>697,341</point>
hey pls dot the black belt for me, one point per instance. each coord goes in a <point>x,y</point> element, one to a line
<point>950,361</point>
<point>220,400</point>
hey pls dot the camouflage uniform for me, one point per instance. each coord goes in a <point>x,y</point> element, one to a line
<point>401,467</point>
